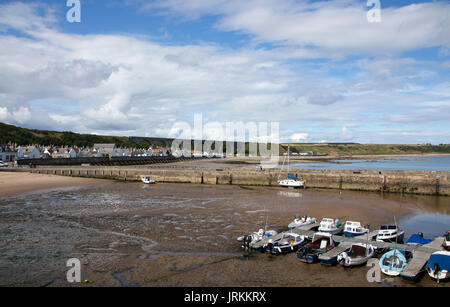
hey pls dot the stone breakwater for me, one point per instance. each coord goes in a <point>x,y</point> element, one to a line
<point>408,182</point>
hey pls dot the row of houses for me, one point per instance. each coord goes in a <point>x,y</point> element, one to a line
<point>10,153</point>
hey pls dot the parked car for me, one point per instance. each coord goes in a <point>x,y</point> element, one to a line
<point>3,164</point>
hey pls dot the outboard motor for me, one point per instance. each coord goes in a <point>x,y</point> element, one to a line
<point>437,269</point>
<point>246,242</point>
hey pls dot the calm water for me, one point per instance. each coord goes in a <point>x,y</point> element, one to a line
<point>438,163</point>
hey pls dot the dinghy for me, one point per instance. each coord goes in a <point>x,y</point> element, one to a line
<point>353,229</point>
<point>393,262</point>
<point>250,239</point>
<point>438,266</point>
<point>290,242</point>
<point>446,243</point>
<point>332,226</point>
<point>390,233</point>
<point>147,180</point>
<point>302,221</point>
<point>321,243</point>
<point>358,254</point>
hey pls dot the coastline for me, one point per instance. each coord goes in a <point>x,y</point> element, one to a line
<point>14,183</point>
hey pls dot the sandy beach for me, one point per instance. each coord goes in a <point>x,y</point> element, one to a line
<point>13,183</point>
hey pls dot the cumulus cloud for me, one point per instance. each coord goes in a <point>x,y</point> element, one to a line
<point>297,137</point>
<point>128,85</point>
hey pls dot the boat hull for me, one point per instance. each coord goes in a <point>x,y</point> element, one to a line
<point>349,234</point>
<point>441,275</point>
<point>308,258</point>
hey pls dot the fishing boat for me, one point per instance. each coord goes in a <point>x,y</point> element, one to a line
<point>250,239</point>
<point>390,233</point>
<point>417,239</point>
<point>147,180</point>
<point>302,221</point>
<point>446,243</point>
<point>393,262</point>
<point>358,254</point>
<point>332,226</point>
<point>438,266</point>
<point>291,181</point>
<point>321,243</point>
<point>353,229</point>
<point>290,242</point>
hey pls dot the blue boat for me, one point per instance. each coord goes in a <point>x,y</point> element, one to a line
<point>417,239</point>
<point>438,266</point>
<point>393,262</point>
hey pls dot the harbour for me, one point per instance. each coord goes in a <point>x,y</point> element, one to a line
<point>127,233</point>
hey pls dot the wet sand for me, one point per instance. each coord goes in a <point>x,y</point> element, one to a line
<point>130,234</point>
<point>13,183</point>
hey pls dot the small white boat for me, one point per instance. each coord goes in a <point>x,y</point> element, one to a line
<point>393,262</point>
<point>302,221</point>
<point>248,240</point>
<point>353,229</point>
<point>438,266</point>
<point>147,180</point>
<point>446,243</point>
<point>292,182</point>
<point>332,226</point>
<point>390,233</point>
<point>290,242</point>
<point>357,254</point>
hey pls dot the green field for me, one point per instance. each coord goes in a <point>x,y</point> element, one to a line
<point>349,149</point>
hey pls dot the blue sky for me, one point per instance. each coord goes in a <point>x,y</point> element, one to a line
<point>319,68</point>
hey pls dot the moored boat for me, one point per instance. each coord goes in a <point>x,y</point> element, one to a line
<point>290,242</point>
<point>390,233</point>
<point>250,239</point>
<point>393,262</point>
<point>292,182</point>
<point>358,254</point>
<point>446,243</point>
<point>332,226</point>
<point>321,243</point>
<point>353,229</point>
<point>147,180</point>
<point>302,221</point>
<point>417,239</point>
<point>438,266</point>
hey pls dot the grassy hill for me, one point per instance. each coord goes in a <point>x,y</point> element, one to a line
<point>23,136</point>
<point>348,149</point>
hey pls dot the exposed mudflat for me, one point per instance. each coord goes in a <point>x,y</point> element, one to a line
<point>131,234</point>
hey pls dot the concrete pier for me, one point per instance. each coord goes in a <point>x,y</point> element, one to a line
<point>408,182</point>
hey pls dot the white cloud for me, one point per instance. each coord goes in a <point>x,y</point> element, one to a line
<point>336,25</point>
<point>297,137</point>
<point>128,85</point>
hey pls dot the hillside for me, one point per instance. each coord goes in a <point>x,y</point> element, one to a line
<point>23,136</point>
<point>349,149</point>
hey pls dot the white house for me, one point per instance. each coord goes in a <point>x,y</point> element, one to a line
<point>29,152</point>
<point>7,154</point>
